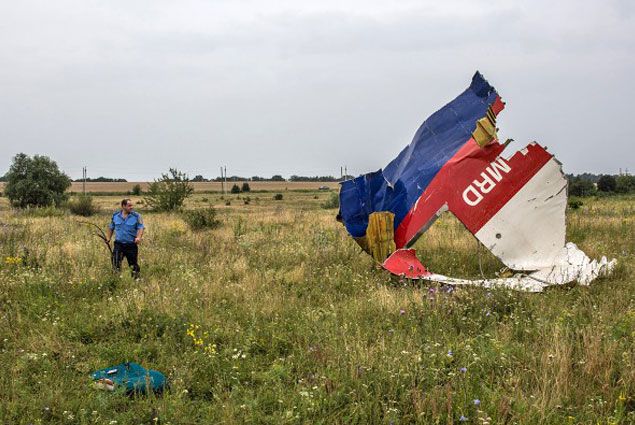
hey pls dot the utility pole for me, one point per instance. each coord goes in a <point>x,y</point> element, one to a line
<point>225,180</point>
<point>84,177</point>
<point>222,184</point>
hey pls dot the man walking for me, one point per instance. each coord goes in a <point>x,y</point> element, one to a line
<point>128,227</point>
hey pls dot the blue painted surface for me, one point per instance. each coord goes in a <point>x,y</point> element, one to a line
<point>397,187</point>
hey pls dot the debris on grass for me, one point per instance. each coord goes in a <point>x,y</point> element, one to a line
<point>514,206</point>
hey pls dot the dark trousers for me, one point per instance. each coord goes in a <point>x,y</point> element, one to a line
<point>131,252</point>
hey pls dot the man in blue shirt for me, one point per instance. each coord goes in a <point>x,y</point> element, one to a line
<point>128,227</point>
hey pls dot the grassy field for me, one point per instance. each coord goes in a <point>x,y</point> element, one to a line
<point>277,317</point>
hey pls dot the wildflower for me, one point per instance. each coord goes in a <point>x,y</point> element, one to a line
<point>12,260</point>
<point>463,370</point>
<point>402,312</point>
<point>450,353</point>
<point>477,402</point>
<point>463,418</point>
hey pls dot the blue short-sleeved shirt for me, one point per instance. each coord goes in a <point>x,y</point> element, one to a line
<point>126,228</point>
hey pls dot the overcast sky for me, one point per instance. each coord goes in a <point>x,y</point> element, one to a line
<point>130,88</point>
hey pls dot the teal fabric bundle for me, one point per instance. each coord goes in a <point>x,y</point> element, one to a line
<point>131,377</point>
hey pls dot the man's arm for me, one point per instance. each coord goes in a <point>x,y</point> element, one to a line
<point>111,227</point>
<point>139,235</point>
<point>140,228</point>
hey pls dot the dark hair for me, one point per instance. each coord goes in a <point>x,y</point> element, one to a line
<point>125,201</point>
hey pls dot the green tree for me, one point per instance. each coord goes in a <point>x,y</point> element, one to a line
<point>245,187</point>
<point>169,192</point>
<point>625,183</point>
<point>607,183</point>
<point>136,190</point>
<point>35,182</point>
<point>235,189</point>
<point>581,187</point>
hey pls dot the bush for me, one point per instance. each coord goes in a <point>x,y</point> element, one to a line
<point>277,197</point>
<point>169,192</point>
<point>625,183</point>
<point>332,202</point>
<point>607,183</point>
<point>245,187</point>
<point>82,205</point>
<point>575,204</point>
<point>49,211</point>
<point>35,182</point>
<point>136,190</point>
<point>235,189</point>
<point>203,218</point>
<point>247,200</point>
<point>580,187</point>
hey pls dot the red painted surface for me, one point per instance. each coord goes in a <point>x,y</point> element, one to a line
<point>404,262</point>
<point>463,170</point>
<point>498,105</point>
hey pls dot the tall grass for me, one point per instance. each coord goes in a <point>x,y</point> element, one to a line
<point>277,317</point>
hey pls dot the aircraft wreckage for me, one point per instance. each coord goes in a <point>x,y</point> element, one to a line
<point>514,206</point>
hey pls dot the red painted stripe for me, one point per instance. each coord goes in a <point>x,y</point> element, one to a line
<point>498,105</point>
<point>463,170</point>
<point>404,262</point>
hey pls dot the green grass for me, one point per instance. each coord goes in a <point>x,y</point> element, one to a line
<point>277,317</point>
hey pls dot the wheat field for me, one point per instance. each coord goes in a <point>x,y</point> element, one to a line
<point>277,317</point>
<point>123,187</point>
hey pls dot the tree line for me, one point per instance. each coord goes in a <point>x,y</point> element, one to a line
<point>590,184</point>
<point>37,181</point>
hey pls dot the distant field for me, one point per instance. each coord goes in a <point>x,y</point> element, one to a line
<point>200,186</point>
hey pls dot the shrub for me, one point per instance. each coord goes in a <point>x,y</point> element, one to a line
<point>580,187</point>
<point>235,189</point>
<point>228,203</point>
<point>247,200</point>
<point>607,183</point>
<point>625,183</point>
<point>202,218</point>
<point>136,190</point>
<point>169,192</point>
<point>332,202</point>
<point>82,205</point>
<point>35,182</point>
<point>277,197</point>
<point>575,204</point>
<point>245,187</point>
<point>49,211</point>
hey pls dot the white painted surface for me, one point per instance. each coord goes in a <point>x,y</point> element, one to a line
<point>528,232</point>
<point>571,264</point>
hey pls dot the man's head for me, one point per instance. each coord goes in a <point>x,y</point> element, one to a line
<point>126,205</point>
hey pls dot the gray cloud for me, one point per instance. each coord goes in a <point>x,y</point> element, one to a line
<point>131,88</point>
